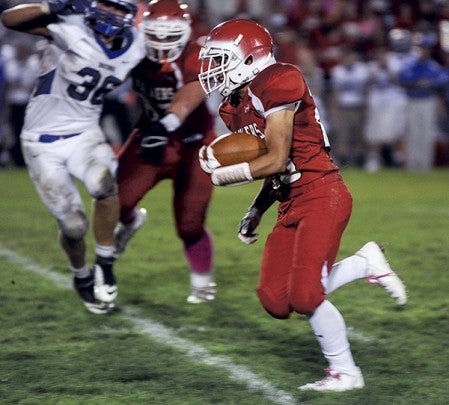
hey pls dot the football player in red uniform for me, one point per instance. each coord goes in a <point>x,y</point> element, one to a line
<point>174,124</point>
<point>272,100</point>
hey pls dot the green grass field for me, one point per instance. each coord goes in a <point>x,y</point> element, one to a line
<point>157,349</point>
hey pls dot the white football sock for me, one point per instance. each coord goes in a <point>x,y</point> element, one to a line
<point>200,280</point>
<point>83,272</point>
<point>343,272</point>
<point>104,251</point>
<point>330,329</point>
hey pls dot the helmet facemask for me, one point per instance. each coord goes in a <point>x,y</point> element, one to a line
<point>111,23</point>
<point>233,54</point>
<point>226,69</point>
<point>165,40</point>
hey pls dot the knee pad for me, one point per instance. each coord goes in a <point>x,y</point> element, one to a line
<point>74,225</point>
<point>100,182</point>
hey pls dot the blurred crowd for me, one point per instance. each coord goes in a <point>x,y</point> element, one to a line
<point>378,70</point>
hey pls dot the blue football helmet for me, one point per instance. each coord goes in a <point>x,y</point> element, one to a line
<point>108,22</point>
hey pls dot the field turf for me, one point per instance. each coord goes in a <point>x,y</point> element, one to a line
<point>157,349</point>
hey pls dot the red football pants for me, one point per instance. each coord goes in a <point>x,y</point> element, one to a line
<point>192,188</point>
<point>304,241</point>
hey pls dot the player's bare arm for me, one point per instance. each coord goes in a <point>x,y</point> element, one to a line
<point>29,18</point>
<point>278,137</point>
<point>186,100</point>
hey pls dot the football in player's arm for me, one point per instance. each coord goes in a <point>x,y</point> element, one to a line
<point>298,271</point>
<point>92,46</point>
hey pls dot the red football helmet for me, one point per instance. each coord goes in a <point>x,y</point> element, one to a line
<point>234,53</point>
<point>167,28</point>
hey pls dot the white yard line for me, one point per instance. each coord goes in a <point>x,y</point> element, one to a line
<point>167,336</point>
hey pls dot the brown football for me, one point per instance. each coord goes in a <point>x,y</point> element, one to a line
<point>237,147</point>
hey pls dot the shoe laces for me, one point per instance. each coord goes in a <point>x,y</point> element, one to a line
<point>331,375</point>
<point>209,289</point>
<point>376,279</point>
<point>206,293</point>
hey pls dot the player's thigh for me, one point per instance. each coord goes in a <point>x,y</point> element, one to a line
<point>324,214</point>
<point>134,177</point>
<point>51,178</point>
<point>91,150</point>
<point>305,289</point>
<point>192,195</point>
<point>274,279</point>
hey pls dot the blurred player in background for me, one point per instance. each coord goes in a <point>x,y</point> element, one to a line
<point>88,54</point>
<point>174,124</point>
<point>271,100</point>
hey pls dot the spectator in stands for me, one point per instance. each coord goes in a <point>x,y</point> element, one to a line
<point>4,153</point>
<point>445,89</point>
<point>22,69</point>
<point>386,106</point>
<point>218,10</point>
<point>348,83</point>
<point>314,75</point>
<point>404,16</point>
<point>422,80</point>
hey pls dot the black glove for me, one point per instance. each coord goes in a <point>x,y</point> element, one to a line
<point>153,142</point>
<point>248,225</point>
<point>280,191</point>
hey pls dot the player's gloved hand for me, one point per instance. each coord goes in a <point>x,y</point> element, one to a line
<point>248,224</point>
<point>232,175</point>
<point>154,140</point>
<point>208,161</point>
<point>56,6</point>
<point>64,6</point>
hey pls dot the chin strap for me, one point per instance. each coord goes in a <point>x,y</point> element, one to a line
<point>232,175</point>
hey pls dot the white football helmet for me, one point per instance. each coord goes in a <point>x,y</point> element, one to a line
<point>234,53</point>
<point>167,28</point>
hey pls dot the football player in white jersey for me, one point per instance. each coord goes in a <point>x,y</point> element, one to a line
<point>92,46</point>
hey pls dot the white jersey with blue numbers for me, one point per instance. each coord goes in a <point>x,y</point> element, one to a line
<point>77,70</point>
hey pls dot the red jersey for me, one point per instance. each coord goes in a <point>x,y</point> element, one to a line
<point>157,83</point>
<point>277,87</point>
